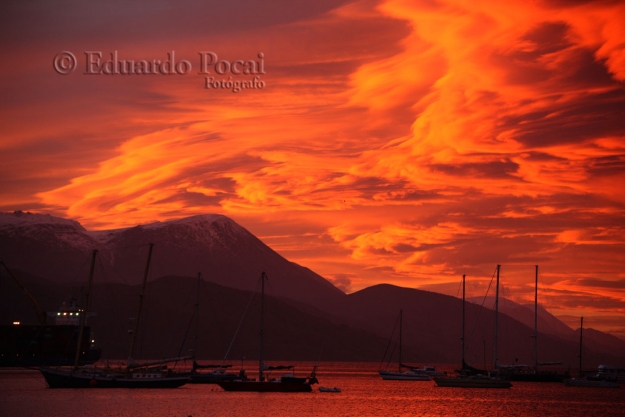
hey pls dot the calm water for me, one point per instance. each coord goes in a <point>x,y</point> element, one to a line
<point>24,393</point>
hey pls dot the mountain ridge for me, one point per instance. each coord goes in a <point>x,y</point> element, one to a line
<point>229,256</point>
<point>225,252</point>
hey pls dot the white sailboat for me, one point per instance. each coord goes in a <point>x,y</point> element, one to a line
<point>583,381</point>
<point>534,374</point>
<point>411,374</point>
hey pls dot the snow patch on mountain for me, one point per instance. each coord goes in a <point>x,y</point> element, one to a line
<point>25,218</point>
<point>209,230</point>
<point>196,221</point>
<point>46,229</point>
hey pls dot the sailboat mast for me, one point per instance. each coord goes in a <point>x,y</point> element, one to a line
<point>463,297</point>
<point>263,276</point>
<point>581,331</point>
<point>496,317</point>
<point>400,342</point>
<point>197,316</point>
<point>138,316</point>
<point>536,322</point>
<point>83,316</point>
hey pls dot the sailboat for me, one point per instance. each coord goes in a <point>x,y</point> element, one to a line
<point>213,373</point>
<point>411,374</point>
<point>524,372</point>
<point>286,383</point>
<point>467,379</point>
<point>583,381</point>
<point>146,375</point>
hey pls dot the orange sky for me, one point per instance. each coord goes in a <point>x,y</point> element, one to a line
<point>406,142</point>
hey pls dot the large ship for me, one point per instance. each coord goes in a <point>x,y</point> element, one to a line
<point>52,342</point>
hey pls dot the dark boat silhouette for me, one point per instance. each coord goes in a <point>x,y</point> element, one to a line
<point>534,374</point>
<point>470,377</point>
<point>49,343</point>
<point>583,380</point>
<point>154,374</point>
<point>208,373</point>
<point>412,373</point>
<point>286,383</point>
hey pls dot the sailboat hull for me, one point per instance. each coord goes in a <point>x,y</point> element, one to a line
<point>212,378</point>
<point>265,386</point>
<point>589,383</point>
<point>61,378</point>
<point>403,376</point>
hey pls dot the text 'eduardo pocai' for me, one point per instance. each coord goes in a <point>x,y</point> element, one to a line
<point>209,62</point>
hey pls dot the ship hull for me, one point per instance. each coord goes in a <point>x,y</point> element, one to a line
<point>35,346</point>
<point>211,378</point>
<point>59,378</point>
<point>589,383</point>
<point>403,376</point>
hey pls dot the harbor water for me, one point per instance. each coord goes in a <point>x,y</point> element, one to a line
<point>363,393</point>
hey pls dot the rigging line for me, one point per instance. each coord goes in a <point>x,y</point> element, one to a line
<point>98,272</point>
<point>193,317</point>
<point>85,262</point>
<point>459,289</point>
<point>549,318</point>
<point>240,323</point>
<point>112,302</point>
<point>75,285</point>
<point>388,345</point>
<point>215,313</point>
<point>388,364</point>
<point>269,290</point>
<point>119,274</point>
<point>40,328</point>
<point>279,320</point>
<point>184,339</point>
<point>271,293</point>
<point>80,299</point>
<point>123,278</point>
<point>481,309</point>
<point>509,309</point>
<point>142,326</point>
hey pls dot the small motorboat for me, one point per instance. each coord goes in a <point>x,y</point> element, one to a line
<point>326,389</point>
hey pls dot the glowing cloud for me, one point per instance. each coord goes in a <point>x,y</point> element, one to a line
<point>407,142</point>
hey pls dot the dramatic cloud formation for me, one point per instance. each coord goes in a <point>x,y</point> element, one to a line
<point>402,141</point>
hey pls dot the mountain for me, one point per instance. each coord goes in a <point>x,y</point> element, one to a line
<point>312,317</point>
<point>432,330</point>
<point>168,322</point>
<point>223,251</point>
<point>356,330</point>
<point>524,313</point>
<point>601,342</point>
<point>45,245</point>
